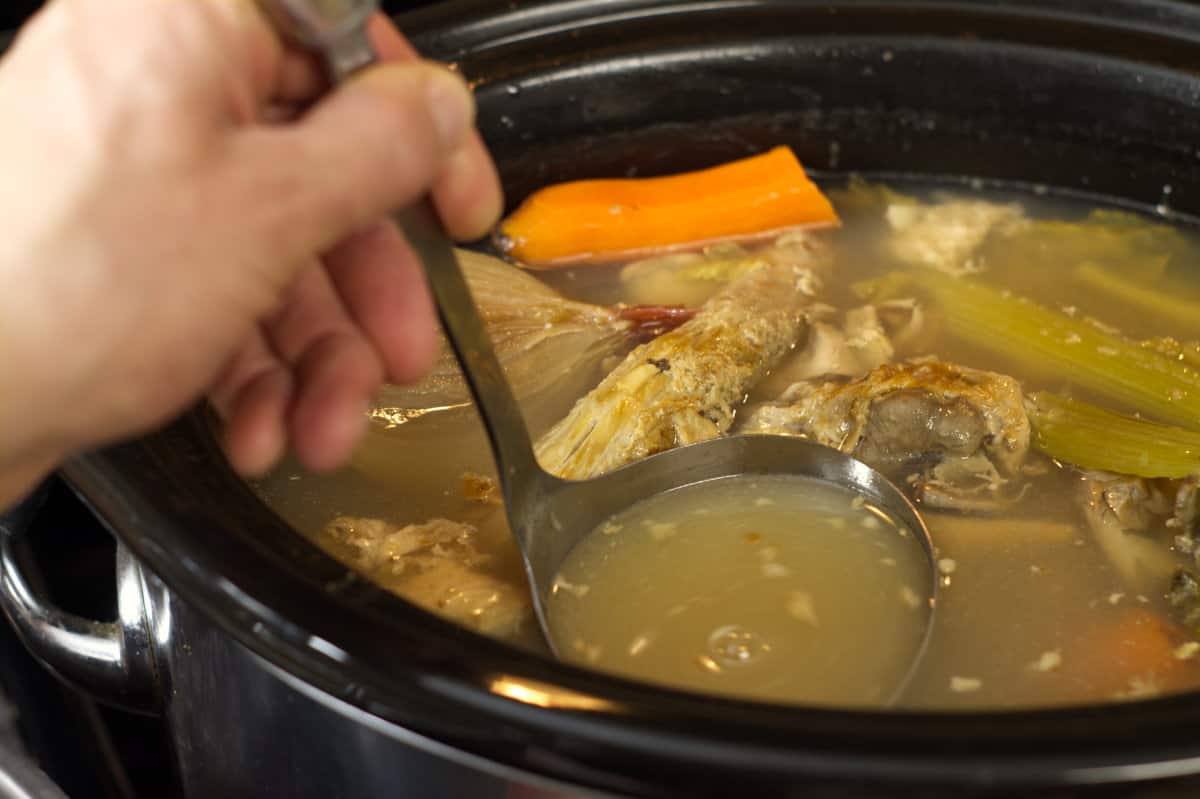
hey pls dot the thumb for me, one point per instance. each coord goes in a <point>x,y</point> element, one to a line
<point>375,144</point>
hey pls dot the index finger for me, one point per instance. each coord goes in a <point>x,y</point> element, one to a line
<point>467,194</point>
<point>389,42</point>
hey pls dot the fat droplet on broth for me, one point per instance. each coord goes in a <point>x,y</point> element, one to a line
<point>776,600</point>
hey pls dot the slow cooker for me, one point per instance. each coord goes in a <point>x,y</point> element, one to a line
<point>280,672</point>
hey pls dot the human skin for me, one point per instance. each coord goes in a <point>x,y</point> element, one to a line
<point>188,212</point>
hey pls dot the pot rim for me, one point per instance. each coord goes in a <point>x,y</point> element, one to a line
<point>292,604</point>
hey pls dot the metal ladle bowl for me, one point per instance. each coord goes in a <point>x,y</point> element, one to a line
<point>548,516</point>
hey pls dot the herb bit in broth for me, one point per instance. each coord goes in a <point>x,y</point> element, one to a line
<point>749,598</point>
<point>1026,368</point>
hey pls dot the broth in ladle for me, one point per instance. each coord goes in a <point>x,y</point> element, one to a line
<point>738,586</point>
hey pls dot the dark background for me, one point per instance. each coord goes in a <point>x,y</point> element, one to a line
<point>13,12</point>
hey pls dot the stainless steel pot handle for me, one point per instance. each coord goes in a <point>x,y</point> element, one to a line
<point>112,661</point>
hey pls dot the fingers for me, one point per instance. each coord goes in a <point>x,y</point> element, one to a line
<point>375,144</point>
<point>339,376</point>
<point>335,368</point>
<point>304,381</point>
<point>388,41</point>
<point>256,428</point>
<point>252,397</point>
<point>299,78</point>
<point>320,184</point>
<point>467,193</point>
<point>383,287</point>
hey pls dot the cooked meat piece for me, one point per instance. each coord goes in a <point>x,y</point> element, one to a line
<point>378,545</point>
<point>904,322</point>
<point>865,337</point>
<point>970,484</point>
<point>1184,522</point>
<point>1184,598</point>
<point>946,235</point>
<point>435,565</point>
<point>855,348</point>
<point>1186,511</point>
<point>481,488</point>
<point>469,597</point>
<point>959,434</point>
<point>868,337</point>
<point>1123,514</point>
<point>824,353</point>
<point>686,385</point>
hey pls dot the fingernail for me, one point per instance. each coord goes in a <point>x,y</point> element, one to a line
<point>451,105</point>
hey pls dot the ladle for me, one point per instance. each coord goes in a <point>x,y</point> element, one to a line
<point>549,515</point>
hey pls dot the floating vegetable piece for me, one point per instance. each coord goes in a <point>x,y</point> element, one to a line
<point>947,235</point>
<point>944,234</point>
<point>598,221</point>
<point>1094,438</point>
<point>1050,343</point>
<point>1173,305</point>
<point>686,278</point>
<point>534,329</point>
<point>1106,256</point>
<point>958,532</point>
<point>552,350</point>
<point>1131,656</point>
<point>1136,246</point>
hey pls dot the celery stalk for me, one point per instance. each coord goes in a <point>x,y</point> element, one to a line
<point>1093,438</point>
<point>1048,342</point>
<point>1181,311</point>
<point>1186,352</point>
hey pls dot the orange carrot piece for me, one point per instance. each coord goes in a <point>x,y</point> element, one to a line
<point>1139,645</point>
<point>602,221</point>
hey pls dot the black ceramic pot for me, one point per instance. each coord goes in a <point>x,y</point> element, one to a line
<point>1099,96</point>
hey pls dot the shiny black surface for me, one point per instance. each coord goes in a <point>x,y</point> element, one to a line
<point>1090,96</point>
<point>15,12</point>
<point>91,751</point>
<point>241,731</point>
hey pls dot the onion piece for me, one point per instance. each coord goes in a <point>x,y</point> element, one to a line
<point>551,349</point>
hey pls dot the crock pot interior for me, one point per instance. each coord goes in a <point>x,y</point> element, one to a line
<point>1087,96</point>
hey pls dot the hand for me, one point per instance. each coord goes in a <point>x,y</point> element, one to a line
<point>175,226</point>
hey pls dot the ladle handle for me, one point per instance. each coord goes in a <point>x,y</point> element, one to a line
<point>471,343</point>
<point>336,30</point>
